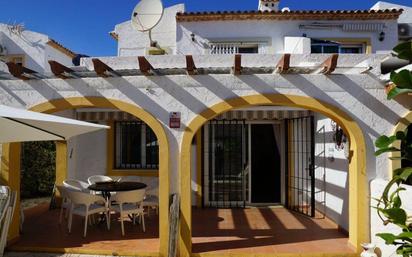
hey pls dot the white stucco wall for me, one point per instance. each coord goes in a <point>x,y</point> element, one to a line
<point>361,96</point>
<point>272,33</point>
<point>55,55</point>
<point>33,46</point>
<point>132,42</point>
<point>331,172</point>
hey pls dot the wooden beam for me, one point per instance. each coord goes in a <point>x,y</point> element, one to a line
<point>283,64</point>
<point>20,72</point>
<point>330,64</point>
<point>145,67</point>
<point>190,65</point>
<point>61,71</point>
<point>237,69</point>
<point>102,69</point>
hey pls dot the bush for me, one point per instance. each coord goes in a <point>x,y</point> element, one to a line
<point>38,169</point>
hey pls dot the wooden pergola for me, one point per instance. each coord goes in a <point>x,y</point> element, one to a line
<point>145,68</point>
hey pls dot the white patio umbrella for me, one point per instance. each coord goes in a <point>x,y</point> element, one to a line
<point>17,125</point>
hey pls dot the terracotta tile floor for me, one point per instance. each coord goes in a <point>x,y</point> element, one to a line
<point>221,231</point>
<point>264,230</point>
<point>41,230</point>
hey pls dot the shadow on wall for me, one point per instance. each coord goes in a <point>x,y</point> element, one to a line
<point>30,63</point>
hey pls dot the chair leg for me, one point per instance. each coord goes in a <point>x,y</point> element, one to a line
<point>108,220</point>
<point>85,225</point>
<point>144,227</point>
<point>69,225</point>
<point>121,222</point>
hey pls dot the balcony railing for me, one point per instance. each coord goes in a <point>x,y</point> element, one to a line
<point>224,49</point>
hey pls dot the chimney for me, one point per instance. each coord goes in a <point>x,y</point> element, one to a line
<point>268,5</point>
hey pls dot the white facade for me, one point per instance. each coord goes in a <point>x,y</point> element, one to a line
<point>32,47</point>
<point>361,95</point>
<point>132,42</point>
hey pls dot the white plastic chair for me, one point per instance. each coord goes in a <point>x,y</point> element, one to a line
<point>151,200</point>
<point>129,203</point>
<point>84,204</point>
<point>10,208</point>
<point>98,178</point>
<point>76,185</point>
<point>65,205</point>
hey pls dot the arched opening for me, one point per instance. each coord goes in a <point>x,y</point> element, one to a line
<point>403,124</point>
<point>357,182</point>
<point>141,162</point>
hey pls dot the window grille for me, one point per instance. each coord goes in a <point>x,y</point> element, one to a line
<point>136,146</point>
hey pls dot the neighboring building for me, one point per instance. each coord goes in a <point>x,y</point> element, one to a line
<point>247,108</point>
<point>31,49</point>
<point>404,21</point>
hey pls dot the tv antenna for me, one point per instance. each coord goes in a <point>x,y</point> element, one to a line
<point>146,15</point>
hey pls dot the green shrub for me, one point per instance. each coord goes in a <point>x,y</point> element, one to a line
<point>38,169</point>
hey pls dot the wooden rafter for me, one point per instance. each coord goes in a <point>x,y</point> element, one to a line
<point>145,67</point>
<point>61,71</point>
<point>20,72</point>
<point>102,69</point>
<point>237,69</point>
<point>284,64</point>
<point>190,65</point>
<point>330,64</point>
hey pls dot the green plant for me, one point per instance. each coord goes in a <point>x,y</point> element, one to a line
<point>389,205</point>
<point>38,169</point>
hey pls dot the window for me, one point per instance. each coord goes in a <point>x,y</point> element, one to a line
<point>17,59</point>
<point>329,47</point>
<point>407,163</point>
<point>136,146</point>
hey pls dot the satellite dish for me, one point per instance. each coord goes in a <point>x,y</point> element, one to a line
<point>146,15</point>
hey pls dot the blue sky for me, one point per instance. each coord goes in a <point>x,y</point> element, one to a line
<point>83,25</point>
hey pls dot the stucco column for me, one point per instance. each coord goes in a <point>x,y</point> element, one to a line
<point>61,162</point>
<point>10,175</point>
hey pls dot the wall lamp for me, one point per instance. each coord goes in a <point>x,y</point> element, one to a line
<point>381,36</point>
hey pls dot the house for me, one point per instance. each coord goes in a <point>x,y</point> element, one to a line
<point>31,49</point>
<point>245,110</point>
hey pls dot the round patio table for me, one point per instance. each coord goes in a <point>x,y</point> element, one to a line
<point>107,187</point>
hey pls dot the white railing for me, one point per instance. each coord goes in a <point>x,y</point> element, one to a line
<point>224,49</point>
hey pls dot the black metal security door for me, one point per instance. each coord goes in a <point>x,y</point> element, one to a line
<point>300,171</point>
<point>227,162</point>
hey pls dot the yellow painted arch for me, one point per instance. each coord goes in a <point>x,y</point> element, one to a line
<point>400,126</point>
<point>358,193</point>
<point>100,102</point>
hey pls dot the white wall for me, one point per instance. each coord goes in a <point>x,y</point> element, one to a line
<point>86,154</point>
<point>89,155</point>
<point>331,172</point>
<point>361,96</point>
<point>271,32</point>
<point>132,42</point>
<point>33,46</point>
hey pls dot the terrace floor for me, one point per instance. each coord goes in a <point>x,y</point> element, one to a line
<point>216,232</point>
<point>42,232</point>
<point>265,230</point>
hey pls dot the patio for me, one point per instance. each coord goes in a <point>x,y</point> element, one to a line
<point>265,230</point>
<point>253,230</point>
<point>42,233</point>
